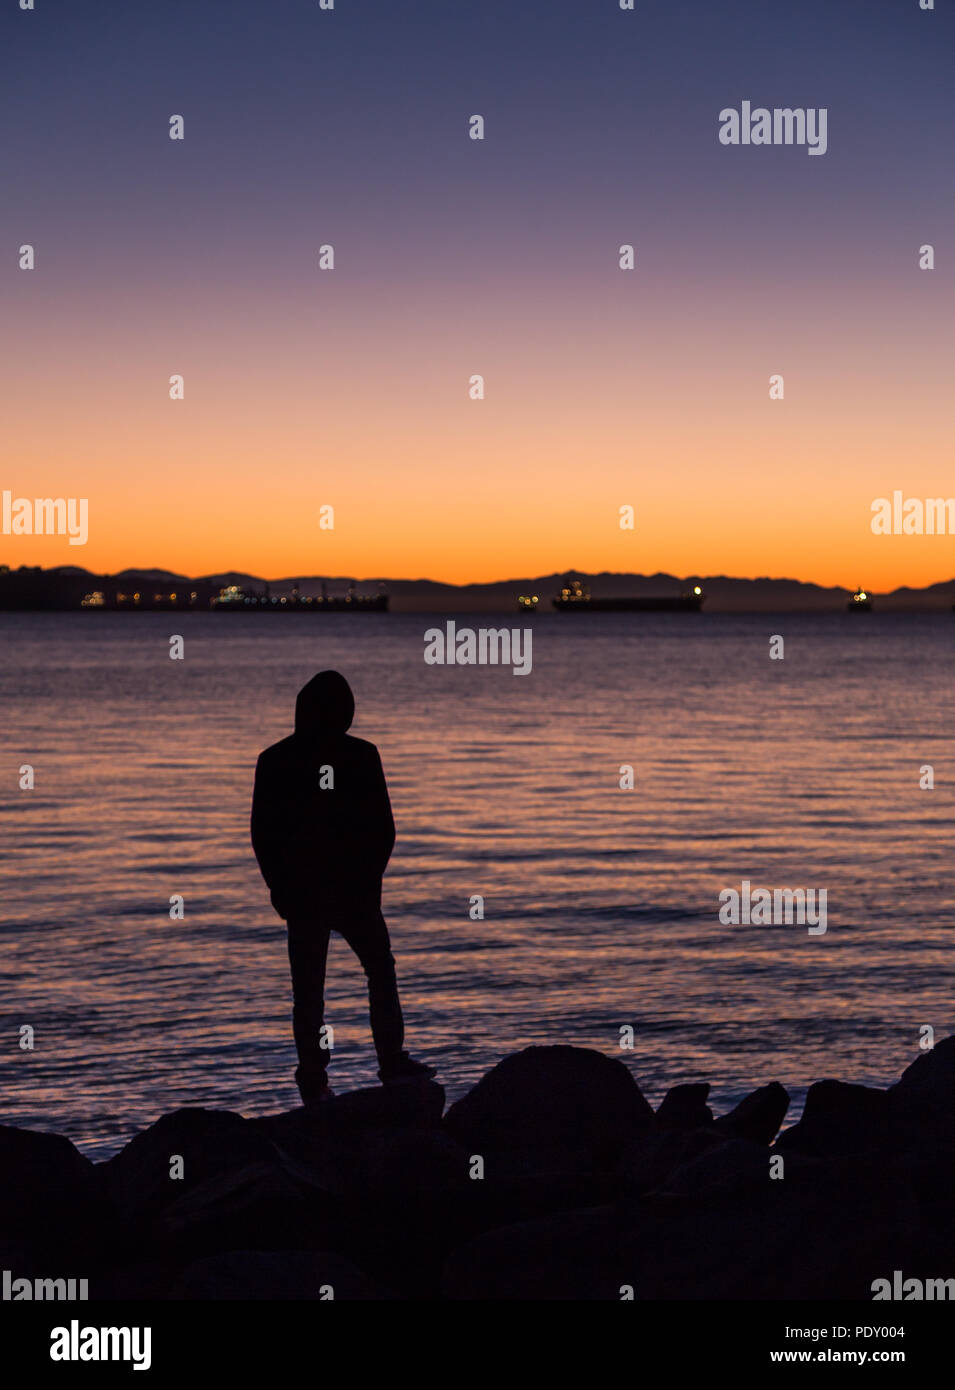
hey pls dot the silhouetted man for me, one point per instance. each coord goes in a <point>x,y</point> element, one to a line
<point>323,832</point>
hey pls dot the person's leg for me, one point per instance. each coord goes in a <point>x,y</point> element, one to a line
<point>308,953</point>
<point>366,932</point>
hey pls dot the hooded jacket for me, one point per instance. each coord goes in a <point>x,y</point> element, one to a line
<point>322,827</point>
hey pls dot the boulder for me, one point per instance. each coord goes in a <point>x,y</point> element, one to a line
<point>685,1107</point>
<point>211,1143</point>
<point>929,1174</point>
<point>560,1107</point>
<point>404,1161</point>
<point>410,1105</point>
<point>653,1156</point>
<point>729,1165</point>
<point>386,1139</point>
<point>571,1256</point>
<point>277,1274</point>
<point>148,1280</point>
<point>758,1116</point>
<point>932,1074</point>
<point>258,1205</point>
<point>47,1192</point>
<point>923,1099</point>
<point>824,1232</point>
<point>841,1119</point>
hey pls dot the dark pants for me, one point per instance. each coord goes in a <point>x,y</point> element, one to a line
<point>366,932</point>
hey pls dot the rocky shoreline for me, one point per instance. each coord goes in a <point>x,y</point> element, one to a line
<point>553,1179</point>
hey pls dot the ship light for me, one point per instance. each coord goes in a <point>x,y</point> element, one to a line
<point>697,589</point>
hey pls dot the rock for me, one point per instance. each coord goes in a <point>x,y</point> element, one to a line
<point>923,1099</point>
<point>685,1107</point>
<point>211,1143</point>
<point>572,1256</point>
<point>822,1233</point>
<point>932,1231</point>
<point>730,1165</point>
<point>259,1205</point>
<point>842,1119</point>
<point>149,1280</point>
<point>917,1113</point>
<point>411,1105</point>
<point>407,1161</point>
<point>336,1176</point>
<point>386,1140</point>
<point>652,1157</point>
<point>932,1074</point>
<point>583,1193</point>
<point>47,1191</point>
<point>277,1274</point>
<point>758,1116</point>
<point>565,1107</point>
<point>502,1201</point>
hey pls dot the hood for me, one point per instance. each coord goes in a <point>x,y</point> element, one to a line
<point>325,707</point>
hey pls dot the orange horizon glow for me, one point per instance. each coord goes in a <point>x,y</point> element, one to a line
<point>49,552</point>
<point>602,399</point>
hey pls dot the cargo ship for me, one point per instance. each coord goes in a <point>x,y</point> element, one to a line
<point>575,597</point>
<point>860,602</point>
<point>232,599</point>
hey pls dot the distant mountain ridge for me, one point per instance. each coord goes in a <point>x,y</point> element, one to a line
<point>724,593</point>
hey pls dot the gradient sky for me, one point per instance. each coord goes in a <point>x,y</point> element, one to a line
<point>456,257</point>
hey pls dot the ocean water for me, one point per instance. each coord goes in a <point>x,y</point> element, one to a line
<point>600,904</point>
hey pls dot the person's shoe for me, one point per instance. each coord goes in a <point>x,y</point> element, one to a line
<point>317,1097</point>
<point>405,1068</point>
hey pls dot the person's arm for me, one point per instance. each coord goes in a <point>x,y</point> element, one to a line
<point>382,819</point>
<point>266,824</point>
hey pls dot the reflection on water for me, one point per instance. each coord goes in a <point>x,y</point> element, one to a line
<point>601,904</point>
